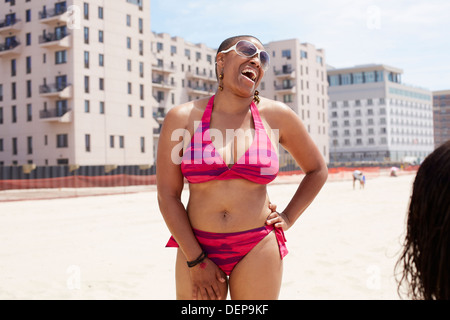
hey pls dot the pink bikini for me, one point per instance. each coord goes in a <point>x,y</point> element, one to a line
<point>201,163</point>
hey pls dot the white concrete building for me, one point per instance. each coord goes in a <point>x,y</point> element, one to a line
<point>374,117</point>
<point>297,77</point>
<point>181,72</point>
<point>75,83</point>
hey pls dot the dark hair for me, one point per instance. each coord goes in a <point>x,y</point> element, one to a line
<point>227,43</point>
<point>426,257</point>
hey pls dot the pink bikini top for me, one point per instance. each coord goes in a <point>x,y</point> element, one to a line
<point>201,162</point>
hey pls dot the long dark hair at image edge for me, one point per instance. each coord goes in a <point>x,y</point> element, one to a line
<point>424,265</point>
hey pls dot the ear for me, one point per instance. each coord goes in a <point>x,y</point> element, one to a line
<point>220,60</point>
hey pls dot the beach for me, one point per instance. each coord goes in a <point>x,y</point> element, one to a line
<point>112,246</point>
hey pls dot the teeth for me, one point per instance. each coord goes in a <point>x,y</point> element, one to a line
<point>252,72</point>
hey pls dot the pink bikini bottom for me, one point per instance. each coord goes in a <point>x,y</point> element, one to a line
<point>227,249</point>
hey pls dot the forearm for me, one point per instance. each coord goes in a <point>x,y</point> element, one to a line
<point>177,221</point>
<point>305,194</point>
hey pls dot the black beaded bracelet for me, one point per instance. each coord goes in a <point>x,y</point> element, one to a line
<point>195,262</point>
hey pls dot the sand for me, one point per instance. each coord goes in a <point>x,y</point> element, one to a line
<point>344,246</point>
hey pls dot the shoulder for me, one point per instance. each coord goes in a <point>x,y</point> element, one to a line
<point>182,115</point>
<point>275,113</point>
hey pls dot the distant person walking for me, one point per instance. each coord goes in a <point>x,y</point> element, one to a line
<point>358,175</point>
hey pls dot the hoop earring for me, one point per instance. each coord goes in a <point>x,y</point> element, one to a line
<point>220,81</point>
<point>256,96</point>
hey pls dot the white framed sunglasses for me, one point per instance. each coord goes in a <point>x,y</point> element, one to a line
<point>247,49</point>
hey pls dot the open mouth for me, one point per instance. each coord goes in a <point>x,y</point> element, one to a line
<point>249,73</point>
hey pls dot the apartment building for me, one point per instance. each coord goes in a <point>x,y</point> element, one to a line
<point>297,76</point>
<point>441,116</point>
<point>181,72</point>
<point>75,82</point>
<point>375,117</point>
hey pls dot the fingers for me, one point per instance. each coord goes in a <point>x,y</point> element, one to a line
<point>276,220</point>
<point>272,207</point>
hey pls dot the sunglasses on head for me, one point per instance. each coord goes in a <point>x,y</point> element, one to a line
<point>247,49</point>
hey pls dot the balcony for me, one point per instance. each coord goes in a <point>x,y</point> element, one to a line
<point>9,49</point>
<point>201,76</point>
<point>53,16</point>
<point>286,88</point>
<point>201,91</point>
<point>285,72</point>
<point>164,85</point>
<point>58,91</point>
<point>54,40</point>
<point>164,68</point>
<point>56,115</point>
<point>159,114</point>
<point>10,25</point>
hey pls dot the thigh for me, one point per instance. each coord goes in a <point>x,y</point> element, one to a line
<point>183,279</point>
<point>258,275</point>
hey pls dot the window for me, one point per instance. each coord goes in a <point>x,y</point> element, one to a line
<point>303,54</point>
<point>129,88</point>
<point>141,91</point>
<point>357,77</point>
<point>121,142</point>
<point>1,115</point>
<point>62,141</point>
<point>28,39</point>
<point>141,69</point>
<point>142,112</point>
<point>1,92</point>
<point>129,65</point>
<point>87,106</point>
<point>86,35</point>
<point>141,47</point>
<point>130,110</point>
<point>128,20</point>
<point>60,57</point>
<point>13,67</point>
<point>86,59</point>
<point>87,142</point>
<point>101,84</point>
<point>13,91</point>
<point>111,141</point>
<point>100,12</point>
<point>86,10</point>
<point>100,36</point>
<point>29,145</point>
<point>102,107</point>
<point>13,114</point>
<point>1,146</point>
<point>14,146</point>
<point>86,84</point>
<point>286,54</point>
<point>28,62</point>
<point>141,25</point>
<point>29,112</point>
<point>128,43</point>
<point>28,15</point>
<point>29,89</point>
<point>142,144</point>
<point>101,60</point>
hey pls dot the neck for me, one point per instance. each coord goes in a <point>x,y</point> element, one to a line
<point>230,103</point>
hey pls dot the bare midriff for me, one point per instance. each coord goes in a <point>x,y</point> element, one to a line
<point>225,206</point>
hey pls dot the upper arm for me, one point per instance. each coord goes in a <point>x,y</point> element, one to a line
<point>169,178</point>
<point>296,140</point>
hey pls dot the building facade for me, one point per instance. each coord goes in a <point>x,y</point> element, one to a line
<point>181,72</point>
<point>441,116</point>
<point>75,83</point>
<point>297,76</point>
<point>375,117</point>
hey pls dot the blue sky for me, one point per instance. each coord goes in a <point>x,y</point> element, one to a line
<point>408,34</point>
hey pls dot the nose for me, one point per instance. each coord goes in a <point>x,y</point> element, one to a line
<point>256,60</point>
